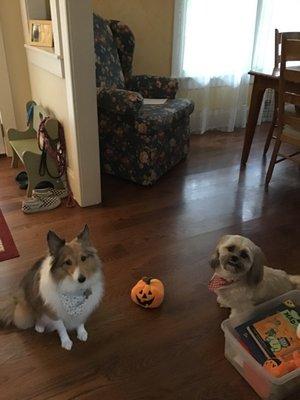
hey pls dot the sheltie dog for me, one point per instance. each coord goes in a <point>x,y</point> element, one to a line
<point>60,291</point>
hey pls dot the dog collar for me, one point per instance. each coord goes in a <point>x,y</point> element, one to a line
<point>217,282</point>
<point>75,303</point>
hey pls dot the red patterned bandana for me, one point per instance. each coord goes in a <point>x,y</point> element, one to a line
<point>217,282</point>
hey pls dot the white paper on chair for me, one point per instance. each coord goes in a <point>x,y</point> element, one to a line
<point>155,102</point>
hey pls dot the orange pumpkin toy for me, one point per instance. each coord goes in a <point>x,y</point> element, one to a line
<point>148,293</point>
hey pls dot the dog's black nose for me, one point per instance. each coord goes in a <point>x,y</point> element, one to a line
<point>81,278</point>
<point>234,259</point>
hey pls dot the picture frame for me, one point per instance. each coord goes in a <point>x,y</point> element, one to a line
<point>40,33</point>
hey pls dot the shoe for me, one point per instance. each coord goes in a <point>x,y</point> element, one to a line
<point>21,176</point>
<point>44,185</point>
<point>23,184</point>
<point>41,203</point>
<point>22,180</point>
<point>61,193</point>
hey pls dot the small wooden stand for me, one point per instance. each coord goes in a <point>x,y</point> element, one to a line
<point>25,148</point>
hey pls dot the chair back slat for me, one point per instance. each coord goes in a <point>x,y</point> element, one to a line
<point>278,43</point>
<point>289,84</point>
<point>292,120</point>
<point>292,49</point>
<point>292,98</point>
<point>292,75</point>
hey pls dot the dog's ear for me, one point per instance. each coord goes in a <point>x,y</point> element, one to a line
<point>55,243</point>
<point>223,239</point>
<point>84,235</point>
<point>256,272</point>
<point>214,261</point>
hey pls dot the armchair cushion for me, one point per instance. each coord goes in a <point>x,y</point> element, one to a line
<point>155,87</point>
<point>108,67</point>
<point>118,101</point>
<point>153,118</point>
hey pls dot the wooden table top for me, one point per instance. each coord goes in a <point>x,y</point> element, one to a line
<point>274,74</point>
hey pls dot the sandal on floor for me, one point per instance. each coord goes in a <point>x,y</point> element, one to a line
<point>22,180</point>
<point>61,193</point>
<point>23,184</point>
<point>41,203</point>
<point>21,176</point>
<point>44,185</point>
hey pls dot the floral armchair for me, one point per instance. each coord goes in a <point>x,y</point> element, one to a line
<point>138,142</point>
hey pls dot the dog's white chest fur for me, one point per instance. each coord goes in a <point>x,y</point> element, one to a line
<point>72,306</point>
<point>240,297</point>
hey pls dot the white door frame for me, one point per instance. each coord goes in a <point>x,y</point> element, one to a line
<point>79,61</point>
<point>74,50</point>
<point>7,113</point>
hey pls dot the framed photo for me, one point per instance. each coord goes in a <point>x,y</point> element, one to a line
<point>40,33</point>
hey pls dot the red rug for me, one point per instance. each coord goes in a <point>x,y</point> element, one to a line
<point>8,248</point>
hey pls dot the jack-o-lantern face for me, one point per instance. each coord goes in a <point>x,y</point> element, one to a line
<point>289,303</point>
<point>270,364</point>
<point>145,297</point>
<point>278,368</point>
<point>148,293</point>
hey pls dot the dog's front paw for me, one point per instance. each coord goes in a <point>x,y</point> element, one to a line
<point>221,304</point>
<point>234,313</point>
<point>66,344</point>
<point>82,335</point>
<point>39,328</point>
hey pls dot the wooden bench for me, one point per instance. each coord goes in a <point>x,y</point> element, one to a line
<point>25,148</point>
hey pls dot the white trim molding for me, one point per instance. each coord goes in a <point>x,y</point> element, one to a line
<point>45,59</point>
<point>178,37</point>
<point>7,112</point>
<point>81,96</point>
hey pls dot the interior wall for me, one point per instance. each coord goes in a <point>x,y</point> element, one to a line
<point>27,81</point>
<point>11,22</point>
<point>49,91</point>
<point>152,24</point>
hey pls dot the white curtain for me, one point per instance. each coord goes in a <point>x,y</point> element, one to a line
<point>216,43</point>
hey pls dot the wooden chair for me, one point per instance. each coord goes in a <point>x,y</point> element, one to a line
<point>289,93</point>
<point>277,61</point>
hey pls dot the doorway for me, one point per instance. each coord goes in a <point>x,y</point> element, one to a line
<point>7,114</point>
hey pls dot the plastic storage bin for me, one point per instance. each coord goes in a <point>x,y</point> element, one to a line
<point>265,385</point>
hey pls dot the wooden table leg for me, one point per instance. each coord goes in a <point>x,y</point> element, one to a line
<point>255,104</point>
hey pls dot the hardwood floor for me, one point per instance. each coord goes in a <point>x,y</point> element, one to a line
<point>167,231</point>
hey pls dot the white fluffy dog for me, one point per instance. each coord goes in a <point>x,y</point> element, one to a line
<point>241,279</point>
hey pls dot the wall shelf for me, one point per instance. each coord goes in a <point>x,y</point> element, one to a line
<point>47,58</point>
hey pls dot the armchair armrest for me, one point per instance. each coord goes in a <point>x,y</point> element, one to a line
<point>119,101</point>
<point>155,87</point>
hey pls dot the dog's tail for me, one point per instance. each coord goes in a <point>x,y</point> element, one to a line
<point>14,310</point>
<point>295,279</point>
<point>7,310</point>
